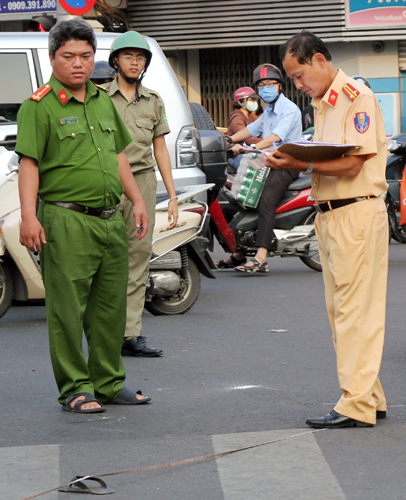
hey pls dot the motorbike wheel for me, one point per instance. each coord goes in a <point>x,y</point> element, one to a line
<point>397,232</point>
<point>6,290</point>
<point>313,261</point>
<point>160,306</point>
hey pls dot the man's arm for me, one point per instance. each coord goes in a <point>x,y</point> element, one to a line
<point>164,164</point>
<point>348,166</point>
<point>267,142</point>
<point>133,193</point>
<point>31,231</point>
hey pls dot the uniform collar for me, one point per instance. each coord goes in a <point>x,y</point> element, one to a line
<point>114,88</point>
<point>278,104</point>
<point>64,95</point>
<point>331,96</point>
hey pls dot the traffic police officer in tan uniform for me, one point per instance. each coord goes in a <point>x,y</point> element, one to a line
<point>143,112</point>
<point>70,143</point>
<point>352,224</point>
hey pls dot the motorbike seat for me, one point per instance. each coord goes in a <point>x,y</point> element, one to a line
<point>301,183</point>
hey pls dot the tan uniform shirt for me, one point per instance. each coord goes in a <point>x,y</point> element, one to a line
<point>145,120</point>
<point>349,113</point>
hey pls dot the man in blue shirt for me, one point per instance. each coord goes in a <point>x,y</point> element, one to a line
<point>280,122</point>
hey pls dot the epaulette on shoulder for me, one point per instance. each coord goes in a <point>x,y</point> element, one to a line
<point>101,88</point>
<point>154,92</point>
<point>40,93</point>
<point>351,92</point>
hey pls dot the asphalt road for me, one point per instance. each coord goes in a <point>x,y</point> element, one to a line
<point>226,381</point>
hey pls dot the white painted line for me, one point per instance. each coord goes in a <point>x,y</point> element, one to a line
<point>294,468</point>
<point>27,470</point>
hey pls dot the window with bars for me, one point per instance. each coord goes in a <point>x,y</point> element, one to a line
<point>224,70</point>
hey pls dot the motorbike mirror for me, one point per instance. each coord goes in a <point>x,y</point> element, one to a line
<point>12,164</point>
<point>393,146</point>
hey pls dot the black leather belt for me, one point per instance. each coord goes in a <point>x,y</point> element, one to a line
<point>333,204</point>
<point>102,213</point>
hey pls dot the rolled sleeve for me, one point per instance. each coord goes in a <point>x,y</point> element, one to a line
<point>256,128</point>
<point>33,131</point>
<point>162,126</point>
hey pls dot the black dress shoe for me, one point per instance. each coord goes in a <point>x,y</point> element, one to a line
<point>380,414</point>
<point>137,346</point>
<point>335,420</point>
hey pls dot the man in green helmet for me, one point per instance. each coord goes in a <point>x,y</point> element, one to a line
<point>143,112</point>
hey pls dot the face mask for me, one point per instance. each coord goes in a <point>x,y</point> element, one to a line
<point>251,106</point>
<point>268,94</point>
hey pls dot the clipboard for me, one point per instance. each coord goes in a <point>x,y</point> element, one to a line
<point>315,151</point>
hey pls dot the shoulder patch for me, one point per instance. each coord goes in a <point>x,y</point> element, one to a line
<point>101,88</point>
<point>40,93</point>
<point>351,92</point>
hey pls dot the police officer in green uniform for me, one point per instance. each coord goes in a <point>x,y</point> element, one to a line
<point>143,112</point>
<point>70,142</point>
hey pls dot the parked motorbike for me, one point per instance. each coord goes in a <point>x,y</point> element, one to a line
<point>179,255</point>
<point>236,226</point>
<point>394,170</point>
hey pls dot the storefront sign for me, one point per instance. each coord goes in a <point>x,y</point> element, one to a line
<point>77,7</point>
<point>377,13</point>
<point>22,6</point>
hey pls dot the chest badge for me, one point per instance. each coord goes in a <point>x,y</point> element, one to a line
<point>62,96</point>
<point>65,121</point>
<point>362,121</point>
<point>332,98</point>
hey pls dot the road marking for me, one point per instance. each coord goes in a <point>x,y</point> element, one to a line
<point>27,470</point>
<point>295,468</point>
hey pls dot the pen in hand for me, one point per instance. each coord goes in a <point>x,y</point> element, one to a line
<point>274,145</point>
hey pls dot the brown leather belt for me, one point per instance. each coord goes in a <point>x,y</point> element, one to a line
<point>102,213</point>
<point>333,204</point>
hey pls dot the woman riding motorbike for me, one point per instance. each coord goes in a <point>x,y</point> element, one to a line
<point>247,108</point>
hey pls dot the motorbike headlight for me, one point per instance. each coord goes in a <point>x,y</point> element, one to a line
<point>186,147</point>
<point>12,164</point>
<point>393,146</point>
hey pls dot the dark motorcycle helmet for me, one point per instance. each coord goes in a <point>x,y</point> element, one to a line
<point>267,72</point>
<point>103,71</point>
<point>363,80</point>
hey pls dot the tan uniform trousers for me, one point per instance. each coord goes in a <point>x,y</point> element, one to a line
<point>354,254</point>
<point>139,252</point>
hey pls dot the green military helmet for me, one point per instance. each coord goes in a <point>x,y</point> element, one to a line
<point>133,40</point>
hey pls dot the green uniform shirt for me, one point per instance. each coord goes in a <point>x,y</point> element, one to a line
<point>75,144</point>
<point>145,120</point>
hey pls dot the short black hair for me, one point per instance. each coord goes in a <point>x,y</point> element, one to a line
<point>303,46</point>
<point>74,29</point>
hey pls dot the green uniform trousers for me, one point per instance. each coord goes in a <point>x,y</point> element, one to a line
<point>139,251</point>
<point>85,271</point>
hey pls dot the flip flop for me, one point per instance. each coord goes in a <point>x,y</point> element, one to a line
<point>235,262</point>
<point>128,397</point>
<point>258,267</point>
<point>80,486</point>
<point>77,408</point>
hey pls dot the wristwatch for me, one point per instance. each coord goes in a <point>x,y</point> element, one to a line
<point>310,169</point>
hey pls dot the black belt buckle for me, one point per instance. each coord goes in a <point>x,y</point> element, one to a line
<point>106,214</point>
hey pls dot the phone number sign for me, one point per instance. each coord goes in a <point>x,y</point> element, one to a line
<point>21,6</point>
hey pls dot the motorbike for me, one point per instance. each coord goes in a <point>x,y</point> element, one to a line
<point>236,226</point>
<point>395,165</point>
<point>179,256</point>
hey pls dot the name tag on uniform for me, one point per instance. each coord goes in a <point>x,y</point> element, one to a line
<point>65,121</point>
